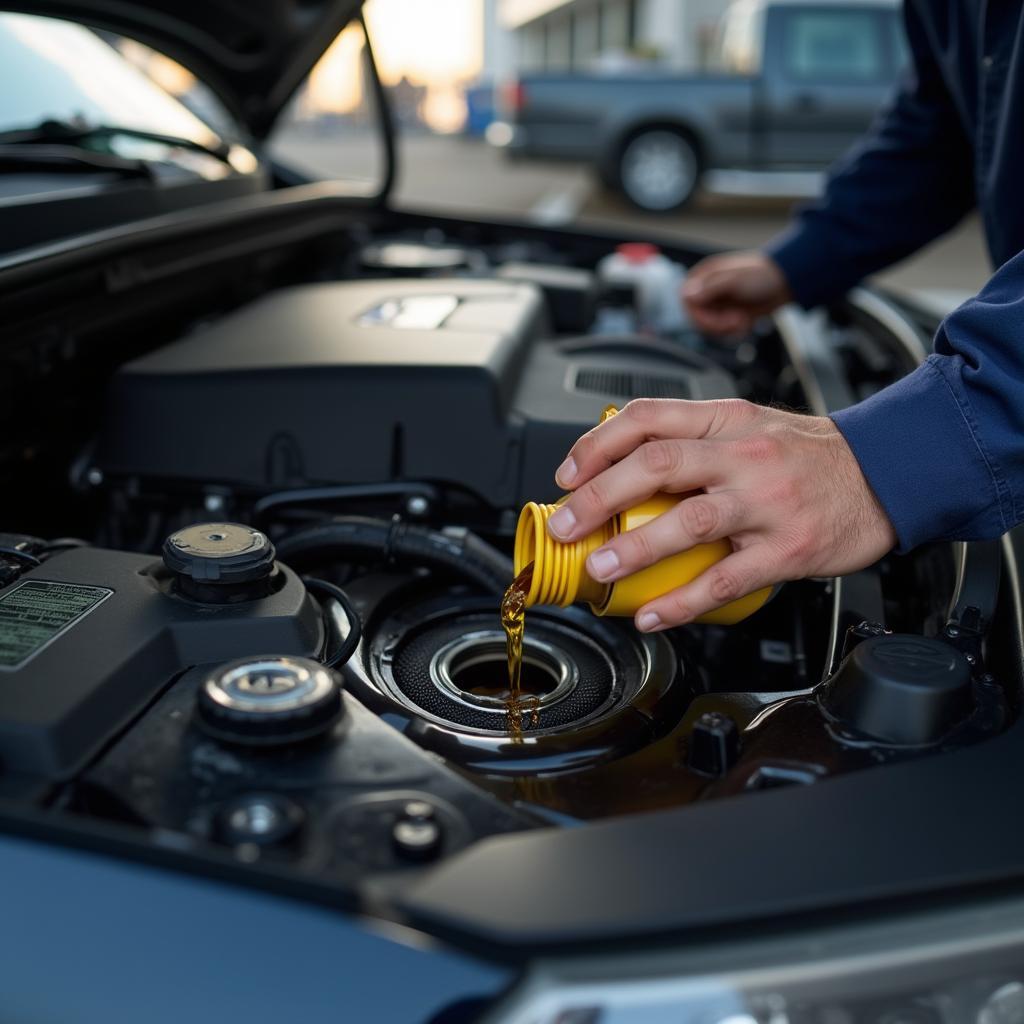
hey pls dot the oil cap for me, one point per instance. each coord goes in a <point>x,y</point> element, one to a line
<point>215,562</point>
<point>269,701</point>
<point>900,689</point>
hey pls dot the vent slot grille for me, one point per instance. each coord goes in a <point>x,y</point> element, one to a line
<point>617,383</point>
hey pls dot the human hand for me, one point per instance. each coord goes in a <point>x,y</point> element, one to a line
<point>725,294</point>
<point>784,488</point>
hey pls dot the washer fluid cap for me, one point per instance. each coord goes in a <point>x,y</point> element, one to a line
<point>901,689</point>
<point>219,553</point>
<point>269,701</point>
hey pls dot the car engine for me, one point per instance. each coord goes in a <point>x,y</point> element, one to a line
<point>273,639</point>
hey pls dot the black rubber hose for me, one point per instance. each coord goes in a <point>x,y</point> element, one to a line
<point>358,539</point>
<point>342,492</point>
<point>25,556</point>
<point>346,646</point>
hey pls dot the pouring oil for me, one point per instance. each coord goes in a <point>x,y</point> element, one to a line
<point>513,620</point>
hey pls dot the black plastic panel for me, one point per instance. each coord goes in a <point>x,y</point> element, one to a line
<point>906,830</point>
<point>88,681</point>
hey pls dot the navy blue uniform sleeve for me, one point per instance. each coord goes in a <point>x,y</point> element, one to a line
<point>908,181</point>
<point>943,449</point>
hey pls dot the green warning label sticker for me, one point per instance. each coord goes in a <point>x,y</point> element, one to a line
<point>36,612</point>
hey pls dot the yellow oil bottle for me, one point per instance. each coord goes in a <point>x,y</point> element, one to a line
<point>559,569</point>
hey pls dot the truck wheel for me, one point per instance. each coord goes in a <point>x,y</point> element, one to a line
<point>659,169</point>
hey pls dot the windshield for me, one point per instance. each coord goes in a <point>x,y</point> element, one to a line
<point>55,70</point>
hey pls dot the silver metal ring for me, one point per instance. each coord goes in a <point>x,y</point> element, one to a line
<point>269,685</point>
<point>489,646</point>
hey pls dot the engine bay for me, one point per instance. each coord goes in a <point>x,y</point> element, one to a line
<point>251,560</point>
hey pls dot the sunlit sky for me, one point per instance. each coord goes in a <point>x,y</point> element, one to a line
<point>437,44</point>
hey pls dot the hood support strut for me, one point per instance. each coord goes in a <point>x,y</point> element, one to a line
<point>386,117</point>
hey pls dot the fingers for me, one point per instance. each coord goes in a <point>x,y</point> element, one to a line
<point>715,305</point>
<point>696,520</point>
<point>672,466</point>
<point>712,284</point>
<point>720,319</point>
<point>725,294</point>
<point>648,419</point>
<point>739,574</point>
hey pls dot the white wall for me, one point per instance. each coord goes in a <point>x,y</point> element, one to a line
<point>500,58</point>
<point>672,28</point>
<point>677,28</point>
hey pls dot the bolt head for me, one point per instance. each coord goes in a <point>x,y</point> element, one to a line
<point>418,810</point>
<point>416,840</point>
<point>417,505</point>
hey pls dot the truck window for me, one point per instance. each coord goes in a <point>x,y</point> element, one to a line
<point>832,45</point>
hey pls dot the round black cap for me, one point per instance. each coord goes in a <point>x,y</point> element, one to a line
<point>900,689</point>
<point>219,553</point>
<point>269,701</point>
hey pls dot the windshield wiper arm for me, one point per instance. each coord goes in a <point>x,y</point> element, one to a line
<point>71,134</point>
<point>17,156</point>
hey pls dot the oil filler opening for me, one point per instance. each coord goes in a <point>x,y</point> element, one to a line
<point>473,670</point>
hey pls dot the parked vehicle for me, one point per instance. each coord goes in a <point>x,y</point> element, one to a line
<point>260,458</point>
<point>792,84</point>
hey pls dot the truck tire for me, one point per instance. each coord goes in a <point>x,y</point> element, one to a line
<point>658,169</point>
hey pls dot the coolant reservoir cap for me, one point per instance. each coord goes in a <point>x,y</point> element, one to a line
<point>219,553</point>
<point>269,701</point>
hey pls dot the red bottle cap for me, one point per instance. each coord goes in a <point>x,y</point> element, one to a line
<point>637,252</point>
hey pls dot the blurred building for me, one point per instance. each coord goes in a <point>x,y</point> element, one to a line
<point>587,35</point>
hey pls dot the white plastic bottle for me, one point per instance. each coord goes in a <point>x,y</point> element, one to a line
<point>655,280</point>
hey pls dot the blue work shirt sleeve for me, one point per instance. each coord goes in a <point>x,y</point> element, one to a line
<point>943,448</point>
<point>909,180</point>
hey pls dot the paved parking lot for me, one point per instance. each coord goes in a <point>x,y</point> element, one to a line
<point>456,174</point>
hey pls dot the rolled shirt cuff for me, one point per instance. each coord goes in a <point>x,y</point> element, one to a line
<point>915,446</point>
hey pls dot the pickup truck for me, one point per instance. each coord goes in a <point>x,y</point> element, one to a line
<point>791,84</point>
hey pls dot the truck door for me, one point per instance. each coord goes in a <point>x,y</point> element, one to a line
<point>827,69</point>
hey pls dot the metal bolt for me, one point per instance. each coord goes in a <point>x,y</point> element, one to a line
<point>418,810</point>
<point>214,503</point>
<point>94,476</point>
<point>711,720</point>
<point>416,840</point>
<point>417,505</point>
<point>256,819</point>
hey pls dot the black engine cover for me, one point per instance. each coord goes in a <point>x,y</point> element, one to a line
<point>444,380</point>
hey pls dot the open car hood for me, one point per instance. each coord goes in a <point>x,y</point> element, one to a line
<point>252,53</point>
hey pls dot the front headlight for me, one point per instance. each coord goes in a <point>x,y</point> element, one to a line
<point>951,967</point>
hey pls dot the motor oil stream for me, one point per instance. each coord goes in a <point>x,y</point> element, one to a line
<point>513,620</point>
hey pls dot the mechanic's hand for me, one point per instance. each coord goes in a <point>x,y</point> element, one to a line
<point>784,488</point>
<point>725,294</point>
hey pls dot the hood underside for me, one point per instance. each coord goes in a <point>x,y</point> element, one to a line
<point>252,53</point>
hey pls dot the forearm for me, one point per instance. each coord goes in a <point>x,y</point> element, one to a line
<point>907,182</point>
